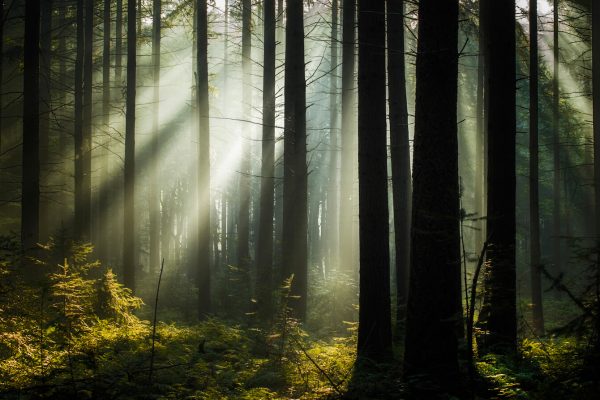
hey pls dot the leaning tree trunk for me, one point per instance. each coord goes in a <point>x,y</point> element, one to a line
<point>203,187</point>
<point>129,266</point>
<point>374,328</point>
<point>264,248</point>
<point>399,151</point>
<point>534,201</point>
<point>500,319</point>
<point>434,318</point>
<point>295,214</point>
<point>30,192</point>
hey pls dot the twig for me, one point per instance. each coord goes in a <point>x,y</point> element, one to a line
<point>162,266</point>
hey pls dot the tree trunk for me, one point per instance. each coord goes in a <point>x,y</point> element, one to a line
<point>45,108</point>
<point>119,43</point>
<point>596,127</point>
<point>295,214</point>
<point>500,321</point>
<point>534,202</point>
<point>204,204</point>
<point>30,192</point>
<point>264,248</point>
<point>154,201</point>
<point>556,198</point>
<point>434,307</point>
<point>399,151</point>
<point>80,150</point>
<point>374,328</point>
<point>244,181</point>
<point>333,199</point>
<point>129,242</point>
<point>480,141</point>
<point>348,135</point>
<point>104,191</point>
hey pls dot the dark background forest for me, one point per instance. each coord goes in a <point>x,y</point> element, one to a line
<point>299,199</point>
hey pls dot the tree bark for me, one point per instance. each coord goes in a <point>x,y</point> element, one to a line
<point>30,192</point>
<point>374,329</point>
<point>596,128</point>
<point>105,192</point>
<point>333,199</point>
<point>556,198</point>
<point>500,321</point>
<point>129,242</point>
<point>154,193</point>
<point>348,138</point>
<point>295,213</point>
<point>434,309</point>
<point>534,202</point>
<point>399,151</point>
<point>264,249</point>
<point>45,108</point>
<point>203,188</point>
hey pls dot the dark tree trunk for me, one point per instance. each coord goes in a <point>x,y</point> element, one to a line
<point>534,200</point>
<point>83,218</point>
<point>434,305</point>
<point>264,248</point>
<point>80,149</point>
<point>244,181</point>
<point>204,204</point>
<point>333,199</point>
<point>374,328</point>
<point>45,108</point>
<point>596,114</point>
<point>30,192</point>
<point>105,192</point>
<point>2,20</point>
<point>129,242</point>
<point>500,321</point>
<point>348,138</point>
<point>399,151</point>
<point>480,140</point>
<point>154,201</point>
<point>556,198</point>
<point>119,43</point>
<point>295,213</point>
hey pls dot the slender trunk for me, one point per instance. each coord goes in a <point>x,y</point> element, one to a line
<point>434,308</point>
<point>244,181</point>
<point>556,198</point>
<point>399,151</point>
<point>2,20</point>
<point>84,219</point>
<point>119,43</point>
<point>295,214</point>
<point>596,114</point>
<point>374,328</point>
<point>30,192</point>
<point>264,248</point>
<point>129,242</point>
<point>154,201</point>
<point>500,321</point>
<point>534,202</point>
<point>203,259</point>
<point>104,192</point>
<point>348,139</point>
<point>333,201</point>
<point>45,108</point>
<point>80,209</point>
<point>480,140</point>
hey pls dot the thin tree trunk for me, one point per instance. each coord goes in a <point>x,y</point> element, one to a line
<point>374,328</point>
<point>596,127</point>
<point>434,309</point>
<point>295,213</point>
<point>119,43</point>
<point>80,150</point>
<point>129,242</point>
<point>534,206</point>
<point>155,163</point>
<point>244,181</point>
<point>556,198</point>
<point>84,218</point>
<point>480,140</point>
<point>30,192</point>
<point>203,273</point>
<point>45,108</point>
<point>333,199</point>
<point>2,20</point>
<point>348,134</point>
<point>399,151</point>
<point>500,321</point>
<point>104,192</point>
<point>264,248</point>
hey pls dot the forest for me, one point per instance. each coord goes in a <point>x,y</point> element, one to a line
<point>300,199</point>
